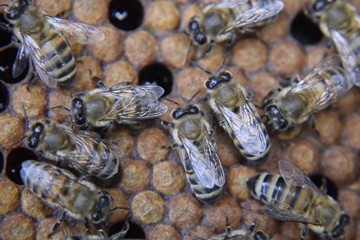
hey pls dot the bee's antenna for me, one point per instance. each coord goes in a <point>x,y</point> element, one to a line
<point>222,65</point>
<point>115,208</point>
<point>188,52</point>
<point>25,116</point>
<point>62,107</point>
<point>172,101</point>
<point>193,96</point>
<point>195,64</point>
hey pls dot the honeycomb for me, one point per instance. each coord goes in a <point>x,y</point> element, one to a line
<point>153,184</point>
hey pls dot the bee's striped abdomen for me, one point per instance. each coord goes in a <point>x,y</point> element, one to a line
<point>206,195</point>
<point>331,80</point>
<point>102,163</point>
<point>272,189</point>
<point>44,180</point>
<point>56,53</point>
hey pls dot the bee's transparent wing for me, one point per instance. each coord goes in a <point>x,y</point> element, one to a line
<point>205,167</point>
<point>293,176</point>
<point>285,212</point>
<point>40,174</point>
<point>335,88</point>
<point>82,32</point>
<point>42,67</point>
<point>21,61</point>
<point>260,11</point>
<point>347,55</point>
<point>87,143</point>
<point>246,128</point>
<point>146,98</point>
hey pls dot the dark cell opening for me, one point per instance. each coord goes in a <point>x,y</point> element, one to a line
<point>1,162</point>
<point>4,97</point>
<point>135,231</point>
<point>304,30</point>
<point>5,33</point>
<point>126,15</point>
<point>325,185</point>
<point>13,163</point>
<point>158,74</point>
<point>7,59</point>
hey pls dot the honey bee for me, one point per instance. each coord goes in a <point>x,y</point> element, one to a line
<point>321,87</point>
<point>238,116</point>
<point>294,197</point>
<point>59,188</point>
<point>241,234</point>
<point>193,137</point>
<point>218,21</point>
<point>116,236</point>
<point>81,150</point>
<point>339,21</point>
<point>124,104</point>
<point>41,37</point>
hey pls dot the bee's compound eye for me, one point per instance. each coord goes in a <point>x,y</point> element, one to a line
<point>260,235</point>
<point>77,103</point>
<point>283,123</point>
<point>102,208</point>
<point>211,82</point>
<point>225,76</point>
<point>38,128</point>
<point>339,228</point>
<point>319,5</point>
<point>33,141</point>
<point>194,110</point>
<point>193,25</point>
<point>200,38</point>
<point>177,113</point>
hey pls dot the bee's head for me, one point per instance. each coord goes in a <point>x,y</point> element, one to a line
<point>197,35</point>
<point>338,230</point>
<point>78,111</point>
<point>184,110</point>
<point>34,138</point>
<point>213,81</point>
<point>275,117</point>
<point>102,209</point>
<point>260,235</point>
<point>16,8</point>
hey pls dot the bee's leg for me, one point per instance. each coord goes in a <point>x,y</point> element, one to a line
<point>229,42</point>
<point>329,45</point>
<point>7,46</point>
<point>59,220</point>
<point>101,232</point>
<point>98,81</point>
<point>228,229</point>
<point>313,126</point>
<point>175,145</point>
<point>122,232</point>
<point>304,232</point>
<point>252,226</point>
<point>31,75</point>
<point>63,14</point>
<point>207,50</point>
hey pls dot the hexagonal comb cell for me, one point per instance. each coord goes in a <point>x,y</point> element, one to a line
<point>4,97</point>
<point>13,163</point>
<point>304,30</point>
<point>126,15</point>
<point>158,74</point>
